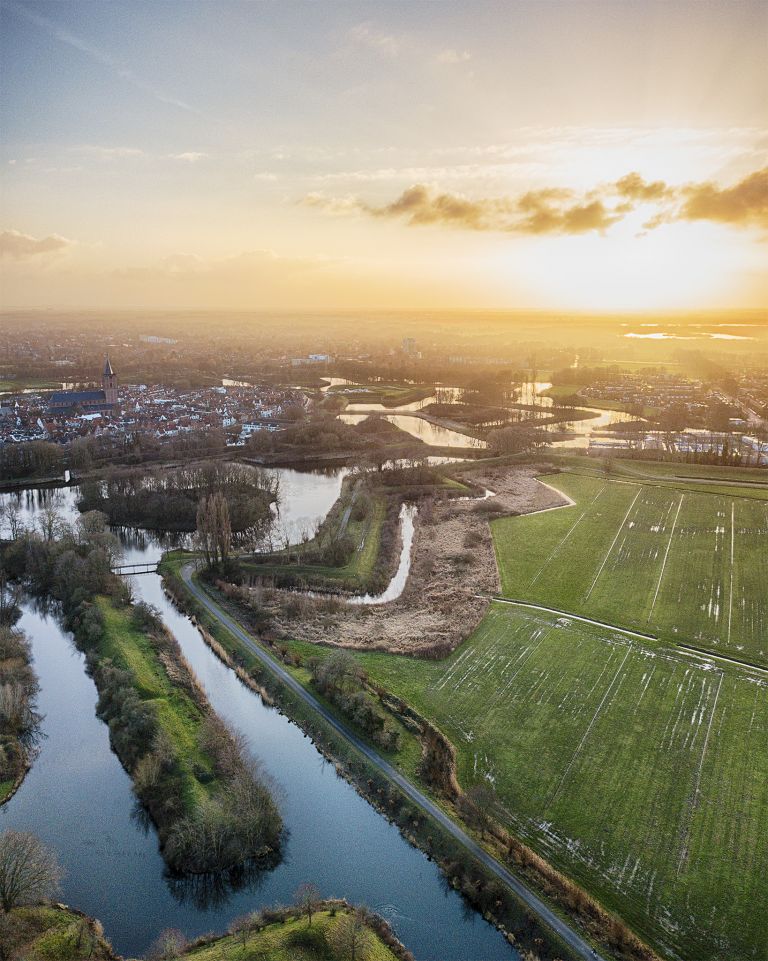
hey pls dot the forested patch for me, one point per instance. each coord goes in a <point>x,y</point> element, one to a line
<point>168,500</point>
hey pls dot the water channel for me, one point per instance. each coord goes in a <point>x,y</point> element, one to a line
<point>78,798</point>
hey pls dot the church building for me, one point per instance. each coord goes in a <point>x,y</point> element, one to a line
<point>104,401</point>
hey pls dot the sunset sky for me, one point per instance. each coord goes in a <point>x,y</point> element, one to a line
<point>563,155</point>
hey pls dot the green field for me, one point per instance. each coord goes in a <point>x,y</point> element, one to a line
<point>635,764</point>
<point>640,771</point>
<point>687,565</point>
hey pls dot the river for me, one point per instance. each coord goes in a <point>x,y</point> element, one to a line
<point>78,798</point>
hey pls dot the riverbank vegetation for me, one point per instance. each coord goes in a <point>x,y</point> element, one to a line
<point>211,806</point>
<point>336,931</point>
<point>422,752</point>
<point>19,720</point>
<point>353,550</point>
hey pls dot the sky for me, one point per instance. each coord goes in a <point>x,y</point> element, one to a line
<point>539,154</point>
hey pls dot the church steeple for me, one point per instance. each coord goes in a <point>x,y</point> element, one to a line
<point>109,382</point>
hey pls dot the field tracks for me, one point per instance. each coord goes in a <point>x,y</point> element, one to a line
<point>694,803</point>
<point>666,555</point>
<point>618,676</point>
<point>730,592</point>
<point>570,531</point>
<point>613,544</point>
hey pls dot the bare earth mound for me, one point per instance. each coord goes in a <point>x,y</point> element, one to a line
<point>453,561</point>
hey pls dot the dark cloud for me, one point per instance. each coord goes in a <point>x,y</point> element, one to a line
<point>20,246</point>
<point>744,204</point>
<point>555,210</point>
<point>548,211</point>
<point>633,187</point>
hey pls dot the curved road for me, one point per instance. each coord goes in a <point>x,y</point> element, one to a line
<point>535,904</point>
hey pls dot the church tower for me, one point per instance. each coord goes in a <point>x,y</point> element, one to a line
<point>109,383</point>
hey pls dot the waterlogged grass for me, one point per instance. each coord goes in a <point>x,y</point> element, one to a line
<point>686,565</point>
<point>178,715</point>
<point>640,771</point>
<point>291,940</point>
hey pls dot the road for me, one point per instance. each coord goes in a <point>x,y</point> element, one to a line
<point>535,904</point>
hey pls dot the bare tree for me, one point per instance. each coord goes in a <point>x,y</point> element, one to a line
<point>243,926</point>
<point>11,514</point>
<point>307,897</point>
<point>50,523</point>
<point>350,938</point>
<point>478,804</point>
<point>214,531</point>
<point>168,945</point>
<point>29,871</point>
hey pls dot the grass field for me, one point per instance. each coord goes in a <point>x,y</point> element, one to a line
<point>687,565</point>
<point>640,771</point>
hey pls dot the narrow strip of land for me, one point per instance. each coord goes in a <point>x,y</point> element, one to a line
<point>563,930</point>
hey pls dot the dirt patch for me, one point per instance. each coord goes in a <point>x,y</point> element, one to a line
<point>453,561</point>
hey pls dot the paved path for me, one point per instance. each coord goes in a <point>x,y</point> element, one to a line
<point>535,904</point>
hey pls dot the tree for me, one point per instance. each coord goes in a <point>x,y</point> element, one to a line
<point>214,530</point>
<point>29,871</point>
<point>11,514</point>
<point>350,938</point>
<point>307,897</point>
<point>168,945</point>
<point>244,926</point>
<point>50,523</point>
<point>478,804</point>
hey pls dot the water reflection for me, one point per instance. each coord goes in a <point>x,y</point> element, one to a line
<point>432,434</point>
<point>78,799</point>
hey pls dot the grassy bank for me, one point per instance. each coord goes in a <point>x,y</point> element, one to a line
<point>285,934</point>
<point>52,933</point>
<point>350,537</point>
<point>178,706</point>
<point>212,811</point>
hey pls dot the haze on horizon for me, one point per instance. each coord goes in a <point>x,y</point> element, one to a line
<point>571,156</point>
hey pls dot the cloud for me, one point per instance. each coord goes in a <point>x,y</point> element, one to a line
<point>451,56</point>
<point>548,211</point>
<point>745,204</point>
<point>99,152</point>
<point>557,210</point>
<point>19,246</point>
<point>633,187</point>
<point>189,156</point>
<point>384,44</point>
